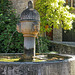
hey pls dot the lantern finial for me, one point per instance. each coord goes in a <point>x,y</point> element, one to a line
<point>30,5</point>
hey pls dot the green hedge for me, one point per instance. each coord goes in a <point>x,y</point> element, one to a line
<point>10,40</point>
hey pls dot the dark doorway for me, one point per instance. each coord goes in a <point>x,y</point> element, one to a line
<point>69,35</point>
<point>49,34</point>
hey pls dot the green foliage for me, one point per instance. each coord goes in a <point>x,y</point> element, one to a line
<point>10,40</point>
<point>53,12</point>
<point>42,44</point>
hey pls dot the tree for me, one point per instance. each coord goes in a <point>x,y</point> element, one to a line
<point>10,40</point>
<point>54,12</point>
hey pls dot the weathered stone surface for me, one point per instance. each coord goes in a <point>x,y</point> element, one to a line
<point>29,29</point>
<point>63,47</point>
<point>57,34</point>
<point>20,5</point>
<point>29,46</point>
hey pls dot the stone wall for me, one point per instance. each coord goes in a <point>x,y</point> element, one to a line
<point>20,5</point>
<point>63,47</point>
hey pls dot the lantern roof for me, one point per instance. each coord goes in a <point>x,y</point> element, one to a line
<point>30,14</point>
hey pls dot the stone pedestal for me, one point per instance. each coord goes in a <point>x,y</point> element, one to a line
<point>29,49</point>
<point>29,46</point>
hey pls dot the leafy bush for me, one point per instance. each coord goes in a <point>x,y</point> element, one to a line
<point>10,40</point>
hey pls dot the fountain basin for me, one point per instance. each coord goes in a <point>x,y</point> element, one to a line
<point>54,67</point>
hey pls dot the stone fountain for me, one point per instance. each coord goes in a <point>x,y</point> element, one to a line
<point>29,26</point>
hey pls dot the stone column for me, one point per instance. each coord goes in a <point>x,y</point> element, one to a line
<point>57,34</point>
<point>29,46</point>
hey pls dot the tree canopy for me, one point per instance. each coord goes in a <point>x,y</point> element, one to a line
<point>54,12</point>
